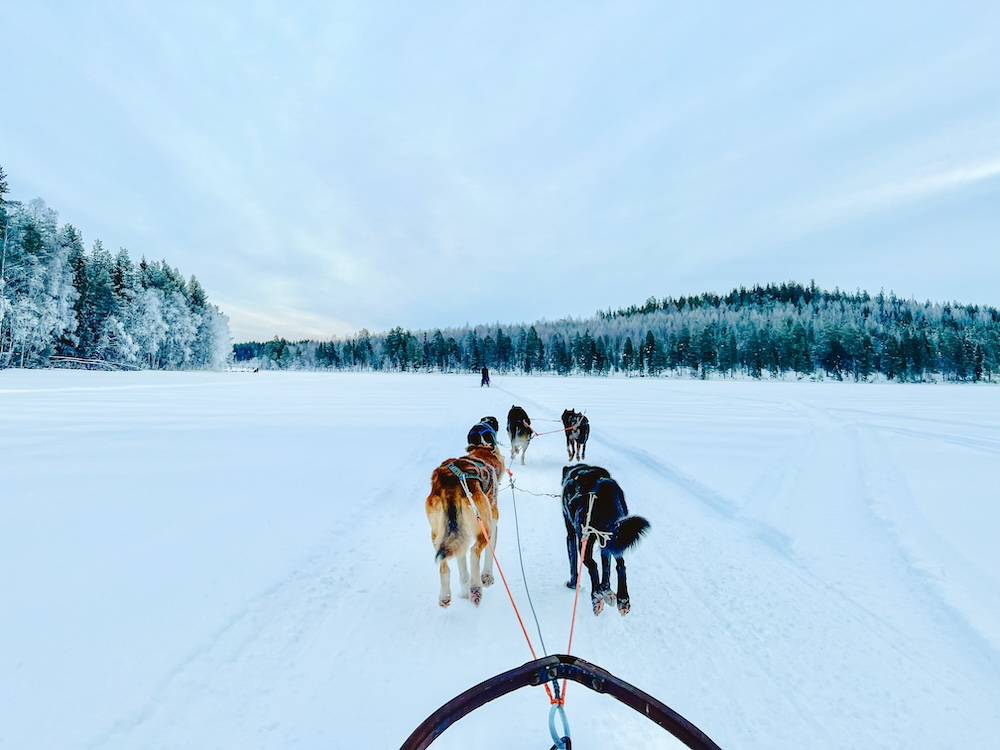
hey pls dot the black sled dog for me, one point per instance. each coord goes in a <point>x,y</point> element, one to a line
<point>594,508</point>
<point>577,428</point>
<point>484,433</point>
<point>456,485</point>
<point>519,431</point>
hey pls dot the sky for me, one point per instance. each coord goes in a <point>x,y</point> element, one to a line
<point>327,167</point>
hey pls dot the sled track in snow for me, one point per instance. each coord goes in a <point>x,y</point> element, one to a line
<point>263,640</point>
<point>746,626</point>
<point>265,633</point>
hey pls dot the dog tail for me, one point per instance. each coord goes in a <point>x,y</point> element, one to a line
<point>449,537</point>
<point>628,532</point>
<point>451,531</point>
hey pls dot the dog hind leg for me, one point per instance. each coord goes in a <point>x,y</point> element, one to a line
<point>444,598</point>
<point>573,551</point>
<point>606,593</point>
<point>487,577</point>
<point>596,598</point>
<point>463,574</point>
<point>476,589</point>
<point>624,605</point>
<point>475,580</point>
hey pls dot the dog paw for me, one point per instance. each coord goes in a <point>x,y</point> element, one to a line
<point>624,606</point>
<point>487,579</point>
<point>609,597</point>
<point>445,601</point>
<point>598,607</point>
<point>476,595</point>
<point>571,584</point>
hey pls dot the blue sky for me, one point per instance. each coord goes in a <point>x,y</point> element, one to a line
<point>324,167</point>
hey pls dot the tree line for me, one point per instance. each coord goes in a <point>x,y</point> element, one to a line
<point>777,330</point>
<point>62,303</point>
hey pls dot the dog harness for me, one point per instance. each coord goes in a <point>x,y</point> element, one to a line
<point>485,432</point>
<point>464,476</point>
<point>601,538</point>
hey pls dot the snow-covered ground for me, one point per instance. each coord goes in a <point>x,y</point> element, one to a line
<point>241,560</point>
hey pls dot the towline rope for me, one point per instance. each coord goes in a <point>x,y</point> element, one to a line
<point>550,432</point>
<point>517,613</point>
<point>602,537</point>
<point>579,577</point>
<point>557,696</point>
<point>524,576</point>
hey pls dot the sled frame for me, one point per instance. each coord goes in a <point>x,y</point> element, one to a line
<point>548,669</point>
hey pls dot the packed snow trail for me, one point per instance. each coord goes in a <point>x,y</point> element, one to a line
<point>242,560</point>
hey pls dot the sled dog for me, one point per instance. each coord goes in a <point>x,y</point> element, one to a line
<point>594,508</point>
<point>484,433</point>
<point>455,529</point>
<point>577,428</point>
<point>519,431</point>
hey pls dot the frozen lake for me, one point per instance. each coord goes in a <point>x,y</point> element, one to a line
<point>237,560</point>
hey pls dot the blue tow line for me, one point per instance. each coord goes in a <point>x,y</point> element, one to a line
<point>562,742</point>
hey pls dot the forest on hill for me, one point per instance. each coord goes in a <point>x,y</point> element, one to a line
<point>777,330</point>
<point>60,304</point>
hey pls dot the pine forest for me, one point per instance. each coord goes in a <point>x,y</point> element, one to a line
<point>63,305</point>
<point>778,330</point>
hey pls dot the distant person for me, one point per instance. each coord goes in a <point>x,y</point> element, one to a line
<point>486,378</point>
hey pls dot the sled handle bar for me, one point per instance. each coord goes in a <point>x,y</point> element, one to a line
<point>547,669</point>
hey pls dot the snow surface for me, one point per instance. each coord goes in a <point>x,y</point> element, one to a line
<point>242,560</point>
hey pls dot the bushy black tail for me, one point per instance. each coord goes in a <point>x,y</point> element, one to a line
<point>627,533</point>
<point>452,532</point>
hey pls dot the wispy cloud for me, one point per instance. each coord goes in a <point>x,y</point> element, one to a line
<point>246,323</point>
<point>892,194</point>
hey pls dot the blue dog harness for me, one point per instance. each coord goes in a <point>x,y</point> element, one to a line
<point>485,432</point>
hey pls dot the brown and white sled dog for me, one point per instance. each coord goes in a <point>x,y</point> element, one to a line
<point>455,529</point>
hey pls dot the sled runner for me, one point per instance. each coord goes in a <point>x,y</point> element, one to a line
<point>549,669</point>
